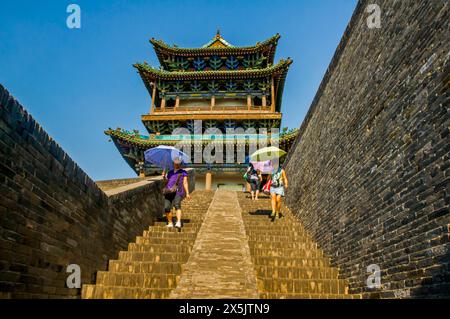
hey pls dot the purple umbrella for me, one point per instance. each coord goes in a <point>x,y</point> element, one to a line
<point>265,167</point>
<point>163,156</point>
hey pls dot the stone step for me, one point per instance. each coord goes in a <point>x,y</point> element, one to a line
<point>258,211</point>
<point>286,252</point>
<point>185,218</point>
<point>186,228</point>
<point>144,267</point>
<point>107,292</point>
<point>274,295</point>
<point>290,262</point>
<point>268,225</point>
<point>297,272</point>
<point>167,248</point>
<point>267,219</point>
<point>131,280</point>
<point>264,238</point>
<point>173,235</point>
<point>288,245</point>
<point>281,233</point>
<point>153,257</point>
<point>164,241</point>
<point>309,286</point>
<point>160,225</point>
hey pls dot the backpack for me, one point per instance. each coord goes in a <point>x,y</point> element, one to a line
<point>276,179</point>
<point>172,190</point>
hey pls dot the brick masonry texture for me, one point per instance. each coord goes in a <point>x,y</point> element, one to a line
<point>369,170</point>
<point>52,214</point>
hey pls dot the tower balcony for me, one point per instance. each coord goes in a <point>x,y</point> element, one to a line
<point>169,121</point>
<point>216,108</point>
<point>201,114</point>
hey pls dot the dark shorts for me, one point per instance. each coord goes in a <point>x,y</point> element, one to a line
<point>171,201</point>
<point>254,184</point>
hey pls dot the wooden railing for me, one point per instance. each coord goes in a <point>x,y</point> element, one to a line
<point>209,108</point>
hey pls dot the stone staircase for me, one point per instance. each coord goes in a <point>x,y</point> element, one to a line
<point>152,265</point>
<point>287,262</point>
<point>228,248</point>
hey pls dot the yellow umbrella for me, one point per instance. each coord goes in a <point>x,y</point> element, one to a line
<point>267,153</point>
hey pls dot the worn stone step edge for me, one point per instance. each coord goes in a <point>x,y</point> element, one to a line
<point>320,286</point>
<point>139,266</point>
<point>291,253</point>
<point>289,272</point>
<point>183,249</point>
<point>286,245</point>
<point>272,295</point>
<point>94,292</point>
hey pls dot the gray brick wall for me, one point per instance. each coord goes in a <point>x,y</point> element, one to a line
<point>52,214</point>
<point>369,170</point>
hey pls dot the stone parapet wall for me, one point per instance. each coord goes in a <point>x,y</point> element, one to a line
<point>52,214</point>
<point>369,170</point>
<point>105,185</point>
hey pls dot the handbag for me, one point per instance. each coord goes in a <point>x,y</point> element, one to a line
<point>171,190</point>
<point>266,187</point>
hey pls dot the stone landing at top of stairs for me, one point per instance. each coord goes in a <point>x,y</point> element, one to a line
<point>220,265</point>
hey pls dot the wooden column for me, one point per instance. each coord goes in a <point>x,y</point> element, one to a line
<point>264,101</point>
<point>272,106</point>
<point>152,106</point>
<point>208,180</point>
<point>163,103</point>
<point>141,170</point>
<point>213,101</point>
<point>249,102</point>
<point>177,102</point>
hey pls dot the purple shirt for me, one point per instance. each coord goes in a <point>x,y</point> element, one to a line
<point>172,179</point>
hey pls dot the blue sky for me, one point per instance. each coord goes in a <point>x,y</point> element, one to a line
<point>79,82</point>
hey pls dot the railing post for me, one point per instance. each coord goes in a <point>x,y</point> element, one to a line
<point>177,102</point>
<point>272,105</point>
<point>152,106</point>
<point>213,101</point>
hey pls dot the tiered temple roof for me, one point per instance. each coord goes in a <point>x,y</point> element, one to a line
<point>132,144</point>
<point>224,86</point>
<point>217,46</point>
<point>171,83</point>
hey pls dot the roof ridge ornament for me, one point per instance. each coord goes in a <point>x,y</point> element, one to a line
<point>218,42</point>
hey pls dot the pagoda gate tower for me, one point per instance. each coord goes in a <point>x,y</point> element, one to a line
<point>198,95</point>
